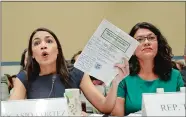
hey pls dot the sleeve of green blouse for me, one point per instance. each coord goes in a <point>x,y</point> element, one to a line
<point>121,89</point>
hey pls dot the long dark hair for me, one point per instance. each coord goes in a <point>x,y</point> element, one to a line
<point>73,58</point>
<point>162,60</point>
<point>10,79</point>
<point>22,63</point>
<point>33,69</point>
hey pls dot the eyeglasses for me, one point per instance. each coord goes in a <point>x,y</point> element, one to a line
<point>150,38</point>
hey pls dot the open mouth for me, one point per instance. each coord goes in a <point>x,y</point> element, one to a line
<point>44,54</point>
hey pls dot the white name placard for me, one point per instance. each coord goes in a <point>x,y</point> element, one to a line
<point>163,104</point>
<point>35,107</point>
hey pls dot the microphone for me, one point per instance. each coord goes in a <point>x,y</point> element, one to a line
<point>53,82</point>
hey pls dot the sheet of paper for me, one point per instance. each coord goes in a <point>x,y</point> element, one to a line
<point>107,46</point>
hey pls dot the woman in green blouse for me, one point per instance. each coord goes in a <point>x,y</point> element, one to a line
<point>150,68</point>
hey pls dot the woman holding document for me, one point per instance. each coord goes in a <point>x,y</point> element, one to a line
<point>150,68</point>
<point>46,74</point>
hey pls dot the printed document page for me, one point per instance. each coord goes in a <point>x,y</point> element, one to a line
<point>107,46</point>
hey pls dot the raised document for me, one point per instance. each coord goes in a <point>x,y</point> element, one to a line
<point>107,46</point>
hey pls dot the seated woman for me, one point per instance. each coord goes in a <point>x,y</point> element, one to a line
<point>46,74</point>
<point>10,82</point>
<point>175,65</point>
<point>6,86</point>
<point>9,79</point>
<point>75,57</point>
<point>180,64</point>
<point>150,68</point>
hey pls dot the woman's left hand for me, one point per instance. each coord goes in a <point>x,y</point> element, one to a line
<point>84,113</point>
<point>123,71</point>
